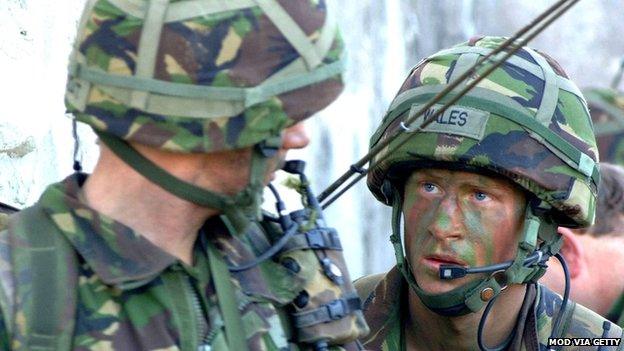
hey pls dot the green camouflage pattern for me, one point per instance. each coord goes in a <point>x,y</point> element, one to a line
<point>606,107</point>
<point>616,312</point>
<point>503,146</point>
<point>4,220</point>
<point>236,48</point>
<point>131,295</point>
<point>5,212</point>
<point>385,296</point>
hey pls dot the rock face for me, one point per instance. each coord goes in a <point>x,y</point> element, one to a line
<point>384,37</point>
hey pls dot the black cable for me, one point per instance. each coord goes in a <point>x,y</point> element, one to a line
<point>268,253</point>
<point>505,344</point>
<point>566,296</point>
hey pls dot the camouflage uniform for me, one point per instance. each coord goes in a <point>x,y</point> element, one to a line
<point>385,297</point>
<point>5,212</point>
<point>616,313</point>
<point>526,122</point>
<point>134,296</point>
<point>607,112</point>
<point>183,76</point>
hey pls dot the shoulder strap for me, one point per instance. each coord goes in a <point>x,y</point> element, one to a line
<point>45,271</point>
<point>234,331</point>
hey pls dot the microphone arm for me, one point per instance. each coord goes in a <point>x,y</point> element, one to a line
<point>448,272</point>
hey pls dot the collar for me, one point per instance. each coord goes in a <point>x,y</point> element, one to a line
<point>616,313</point>
<point>384,306</point>
<point>118,255</point>
<point>382,311</point>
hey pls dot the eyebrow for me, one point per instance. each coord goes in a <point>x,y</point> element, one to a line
<point>475,182</point>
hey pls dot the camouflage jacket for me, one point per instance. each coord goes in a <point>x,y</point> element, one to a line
<point>131,295</point>
<point>384,305</point>
<point>616,313</point>
<point>4,220</point>
<point>5,212</point>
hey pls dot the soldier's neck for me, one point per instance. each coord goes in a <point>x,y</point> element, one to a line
<point>121,193</point>
<point>427,330</point>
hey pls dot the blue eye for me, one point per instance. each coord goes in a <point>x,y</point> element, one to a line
<point>480,196</point>
<point>429,187</point>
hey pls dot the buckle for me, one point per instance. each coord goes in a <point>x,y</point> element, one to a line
<point>336,310</point>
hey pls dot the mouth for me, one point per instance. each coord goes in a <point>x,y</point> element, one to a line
<point>436,260</point>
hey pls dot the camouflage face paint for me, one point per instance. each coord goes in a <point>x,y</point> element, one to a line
<point>459,218</point>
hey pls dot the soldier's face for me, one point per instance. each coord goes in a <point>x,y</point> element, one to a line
<point>459,218</point>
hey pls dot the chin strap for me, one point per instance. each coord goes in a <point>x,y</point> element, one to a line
<point>237,209</point>
<point>474,295</point>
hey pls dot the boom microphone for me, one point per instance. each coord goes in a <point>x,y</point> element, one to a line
<point>448,272</point>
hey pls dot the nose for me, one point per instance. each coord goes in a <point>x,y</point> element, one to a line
<point>295,137</point>
<point>447,221</point>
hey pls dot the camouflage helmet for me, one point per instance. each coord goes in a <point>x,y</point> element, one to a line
<point>526,121</point>
<point>606,107</point>
<point>202,76</point>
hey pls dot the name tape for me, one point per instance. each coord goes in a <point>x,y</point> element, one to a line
<point>456,120</point>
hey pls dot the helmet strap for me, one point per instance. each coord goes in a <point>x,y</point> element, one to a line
<point>238,210</point>
<point>474,295</point>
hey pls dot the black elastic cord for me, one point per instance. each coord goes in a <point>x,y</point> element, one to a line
<point>77,166</point>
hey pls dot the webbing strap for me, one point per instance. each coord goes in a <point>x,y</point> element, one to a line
<point>332,311</point>
<point>179,106</point>
<point>239,208</point>
<point>82,25</point>
<point>315,239</point>
<point>48,300</point>
<point>181,11</point>
<point>206,101</point>
<point>548,105</point>
<point>184,10</point>
<point>504,107</point>
<point>292,31</point>
<point>234,328</point>
<point>77,92</point>
<point>149,43</point>
<point>323,45</point>
<point>463,63</point>
<point>518,273</point>
<point>162,178</point>
<point>517,61</point>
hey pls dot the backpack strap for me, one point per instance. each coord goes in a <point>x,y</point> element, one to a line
<point>234,331</point>
<point>45,273</point>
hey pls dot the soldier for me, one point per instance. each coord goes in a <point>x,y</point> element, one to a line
<point>607,112</point>
<point>195,104</point>
<point>595,255</point>
<point>481,191</point>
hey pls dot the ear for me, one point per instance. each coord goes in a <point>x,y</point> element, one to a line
<point>572,251</point>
